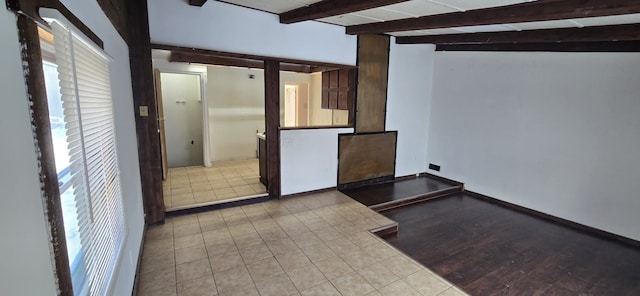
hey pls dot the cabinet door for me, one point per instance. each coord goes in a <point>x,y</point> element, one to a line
<point>338,89</point>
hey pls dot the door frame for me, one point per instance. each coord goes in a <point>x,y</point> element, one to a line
<point>206,157</point>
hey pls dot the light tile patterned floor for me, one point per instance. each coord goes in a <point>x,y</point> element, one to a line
<point>318,244</point>
<point>224,180</point>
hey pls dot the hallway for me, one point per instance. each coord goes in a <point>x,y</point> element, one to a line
<point>225,180</point>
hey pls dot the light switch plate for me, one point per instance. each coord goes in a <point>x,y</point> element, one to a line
<point>144,111</point>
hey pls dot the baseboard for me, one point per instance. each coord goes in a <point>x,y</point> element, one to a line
<point>136,280</point>
<point>374,181</point>
<point>415,199</point>
<point>442,179</point>
<point>308,192</point>
<point>564,222</point>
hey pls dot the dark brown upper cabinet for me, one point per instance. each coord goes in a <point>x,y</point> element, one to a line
<point>338,89</point>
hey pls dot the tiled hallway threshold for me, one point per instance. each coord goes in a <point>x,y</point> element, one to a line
<point>225,181</point>
<point>318,244</point>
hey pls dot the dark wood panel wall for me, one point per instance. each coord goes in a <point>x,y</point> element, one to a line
<point>373,66</point>
<point>366,158</point>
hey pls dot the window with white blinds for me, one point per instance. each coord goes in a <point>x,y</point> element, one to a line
<point>94,178</point>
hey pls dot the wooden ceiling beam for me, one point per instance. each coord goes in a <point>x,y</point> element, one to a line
<point>605,46</point>
<point>587,34</point>
<point>197,2</point>
<point>541,10</point>
<point>329,8</point>
<point>207,52</point>
<point>182,57</point>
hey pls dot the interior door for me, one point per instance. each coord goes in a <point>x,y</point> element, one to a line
<point>182,108</point>
<point>163,141</point>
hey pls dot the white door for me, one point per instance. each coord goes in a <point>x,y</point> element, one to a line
<point>182,102</point>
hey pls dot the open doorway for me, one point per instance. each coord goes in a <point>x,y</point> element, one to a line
<point>229,113</point>
<point>182,120</point>
<point>296,104</point>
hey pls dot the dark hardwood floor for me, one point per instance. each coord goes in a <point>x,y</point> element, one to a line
<point>486,249</point>
<point>396,191</point>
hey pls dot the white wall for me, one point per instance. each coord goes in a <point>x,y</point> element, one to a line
<point>309,159</point>
<point>555,132</point>
<point>225,27</point>
<point>29,271</point>
<point>409,104</point>
<point>236,111</point>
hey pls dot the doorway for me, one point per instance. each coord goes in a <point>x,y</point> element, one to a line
<point>296,104</point>
<point>208,120</point>
<point>182,118</point>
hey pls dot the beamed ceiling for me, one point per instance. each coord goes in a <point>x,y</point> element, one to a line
<point>558,25</point>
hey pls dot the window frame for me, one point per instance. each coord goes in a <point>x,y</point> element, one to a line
<point>27,22</point>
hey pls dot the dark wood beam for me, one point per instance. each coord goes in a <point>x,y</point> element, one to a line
<point>329,8</point>
<point>189,50</point>
<point>182,57</point>
<point>147,126</point>
<point>197,2</point>
<point>272,125</point>
<point>541,10</point>
<point>598,33</point>
<point>607,46</point>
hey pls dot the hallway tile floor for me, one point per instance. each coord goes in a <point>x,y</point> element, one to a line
<point>317,244</point>
<point>185,187</point>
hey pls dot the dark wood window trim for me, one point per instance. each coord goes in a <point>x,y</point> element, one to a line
<point>30,9</point>
<point>36,93</point>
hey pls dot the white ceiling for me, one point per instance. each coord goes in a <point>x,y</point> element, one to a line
<point>415,8</point>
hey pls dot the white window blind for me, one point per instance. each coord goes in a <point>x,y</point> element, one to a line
<point>83,73</point>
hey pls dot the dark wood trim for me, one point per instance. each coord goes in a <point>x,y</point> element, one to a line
<point>272,124</point>
<point>142,80</point>
<point>136,281</point>
<point>406,177</point>
<point>235,62</point>
<point>290,128</point>
<point>416,199</point>
<point>30,8</point>
<point>306,193</point>
<point>379,180</point>
<point>218,206</point>
<point>36,93</point>
<point>541,10</point>
<point>386,231</point>
<point>197,2</point>
<point>607,46</point>
<point>442,179</point>
<point>317,66</point>
<point>115,12</point>
<point>329,8</point>
<point>587,34</point>
<point>558,220</point>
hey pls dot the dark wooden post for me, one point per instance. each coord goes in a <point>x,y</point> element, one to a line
<point>144,97</point>
<point>272,124</point>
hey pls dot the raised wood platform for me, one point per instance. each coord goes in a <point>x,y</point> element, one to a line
<point>403,192</point>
